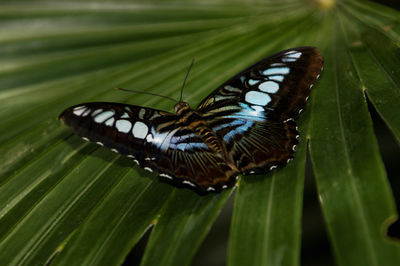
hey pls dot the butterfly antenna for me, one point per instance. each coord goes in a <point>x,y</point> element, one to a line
<point>149,93</point>
<point>184,81</point>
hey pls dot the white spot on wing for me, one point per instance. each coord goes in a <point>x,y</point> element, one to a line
<point>79,107</point>
<point>96,112</point>
<point>79,110</point>
<point>288,59</point>
<point>253,81</point>
<point>101,144</point>
<point>125,115</point>
<point>167,176</point>
<point>294,54</point>
<point>109,122</point>
<point>259,98</point>
<point>276,78</point>
<point>188,183</point>
<point>140,130</point>
<point>123,125</point>
<point>162,140</point>
<point>103,116</point>
<point>149,138</point>
<point>86,112</point>
<point>210,189</point>
<point>269,86</point>
<point>258,109</point>
<point>85,139</point>
<point>148,169</point>
<point>141,114</point>
<point>276,71</point>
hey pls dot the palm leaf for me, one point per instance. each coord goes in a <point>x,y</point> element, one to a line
<point>66,202</point>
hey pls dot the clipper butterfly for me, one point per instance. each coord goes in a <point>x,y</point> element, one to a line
<point>246,126</point>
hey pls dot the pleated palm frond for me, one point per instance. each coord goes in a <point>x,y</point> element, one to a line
<point>64,201</point>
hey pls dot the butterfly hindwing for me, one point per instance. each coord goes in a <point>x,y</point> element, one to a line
<point>189,161</point>
<point>255,111</point>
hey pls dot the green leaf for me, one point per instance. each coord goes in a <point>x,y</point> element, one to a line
<point>353,189</point>
<point>186,219</point>
<point>139,201</point>
<point>383,90</point>
<point>66,202</point>
<point>265,206</point>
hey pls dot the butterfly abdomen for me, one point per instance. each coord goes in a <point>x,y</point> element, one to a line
<point>210,138</point>
<point>197,124</point>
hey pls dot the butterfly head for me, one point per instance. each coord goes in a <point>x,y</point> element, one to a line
<point>180,107</point>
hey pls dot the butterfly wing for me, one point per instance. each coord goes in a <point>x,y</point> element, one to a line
<point>153,139</point>
<point>255,111</point>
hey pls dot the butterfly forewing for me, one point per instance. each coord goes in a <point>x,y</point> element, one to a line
<point>254,112</point>
<point>154,139</point>
<point>279,84</point>
<point>246,126</point>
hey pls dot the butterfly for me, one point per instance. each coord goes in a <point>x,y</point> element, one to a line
<point>247,126</point>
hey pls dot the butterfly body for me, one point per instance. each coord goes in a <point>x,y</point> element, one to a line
<point>246,126</point>
<point>194,121</point>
